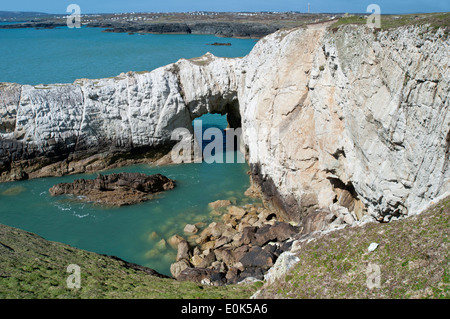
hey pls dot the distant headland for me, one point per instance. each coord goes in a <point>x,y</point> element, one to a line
<point>227,24</point>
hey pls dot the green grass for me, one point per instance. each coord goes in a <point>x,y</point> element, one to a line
<point>34,268</point>
<point>413,256</point>
<point>436,20</point>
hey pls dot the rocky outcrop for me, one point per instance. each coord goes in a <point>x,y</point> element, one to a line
<point>241,245</point>
<point>120,189</point>
<point>349,122</point>
<point>221,29</point>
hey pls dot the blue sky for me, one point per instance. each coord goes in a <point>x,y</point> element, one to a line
<point>113,6</point>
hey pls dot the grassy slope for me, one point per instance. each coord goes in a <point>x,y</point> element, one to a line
<point>413,256</point>
<point>32,267</point>
<point>436,20</point>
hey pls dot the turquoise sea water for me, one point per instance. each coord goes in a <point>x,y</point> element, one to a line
<point>132,233</point>
<point>62,55</point>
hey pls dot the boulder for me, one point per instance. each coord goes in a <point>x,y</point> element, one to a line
<point>219,265</point>
<point>204,276</point>
<point>284,262</point>
<point>279,231</point>
<point>222,241</point>
<point>190,229</point>
<point>153,236</point>
<point>262,236</point>
<point>251,272</point>
<point>177,267</point>
<point>236,211</point>
<point>232,275</point>
<point>226,255</point>
<point>174,240</point>
<point>219,204</point>
<point>183,250</point>
<point>207,259</point>
<point>246,237</point>
<point>282,231</point>
<point>209,245</point>
<point>238,254</point>
<point>259,258</point>
<point>348,219</point>
<point>196,260</point>
<point>217,229</point>
<point>161,245</point>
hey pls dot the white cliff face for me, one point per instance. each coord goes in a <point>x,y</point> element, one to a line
<point>355,111</point>
<point>130,110</point>
<point>349,118</point>
<point>94,119</point>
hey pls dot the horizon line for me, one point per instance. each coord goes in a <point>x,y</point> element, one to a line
<point>207,11</point>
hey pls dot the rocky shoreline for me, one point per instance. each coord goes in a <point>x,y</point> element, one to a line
<point>245,243</point>
<point>355,146</point>
<point>220,29</point>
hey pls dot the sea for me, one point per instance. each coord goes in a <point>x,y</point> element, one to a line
<point>138,233</point>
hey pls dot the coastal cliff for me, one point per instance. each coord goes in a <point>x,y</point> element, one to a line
<point>350,120</point>
<point>349,117</point>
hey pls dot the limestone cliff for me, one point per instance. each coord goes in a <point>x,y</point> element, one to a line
<point>351,120</point>
<point>351,116</point>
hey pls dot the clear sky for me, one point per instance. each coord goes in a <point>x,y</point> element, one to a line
<point>115,6</point>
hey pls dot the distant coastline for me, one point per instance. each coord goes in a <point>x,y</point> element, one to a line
<point>220,29</point>
<point>226,25</point>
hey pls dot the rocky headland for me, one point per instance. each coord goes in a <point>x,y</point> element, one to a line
<point>356,118</point>
<point>120,189</point>
<point>220,29</point>
<point>341,126</point>
<point>220,24</point>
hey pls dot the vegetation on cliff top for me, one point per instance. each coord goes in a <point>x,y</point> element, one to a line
<point>412,255</point>
<point>436,20</point>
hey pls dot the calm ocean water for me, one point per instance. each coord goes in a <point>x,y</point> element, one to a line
<point>62,55</point>
<point>131,233</point>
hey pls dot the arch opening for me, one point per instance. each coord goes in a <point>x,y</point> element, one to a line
<point>219,135</point>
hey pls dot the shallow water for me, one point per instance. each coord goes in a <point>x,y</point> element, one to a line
<point>131,233</point>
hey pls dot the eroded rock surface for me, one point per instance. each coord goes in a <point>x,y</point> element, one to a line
<point>346,117</point>
<point>115,189</point>
<point>234,248</point>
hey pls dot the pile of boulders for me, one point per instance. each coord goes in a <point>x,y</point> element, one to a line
<point>245,243</point>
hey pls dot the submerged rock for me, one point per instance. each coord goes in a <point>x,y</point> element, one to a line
<point>116,189</point>
<point>190,229</point>
<point>219,203</point>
